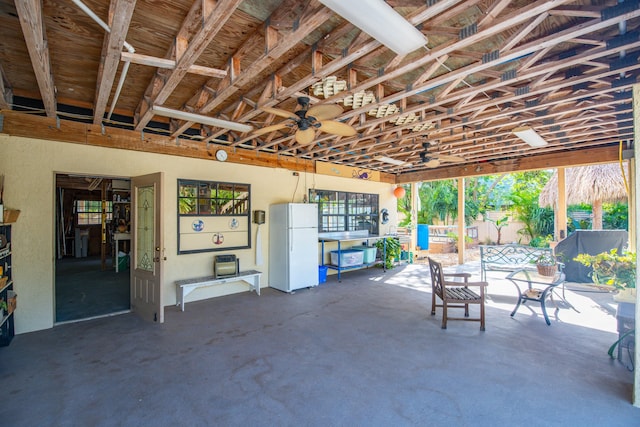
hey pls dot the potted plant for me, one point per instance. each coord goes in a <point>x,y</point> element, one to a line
<point>392,250</point>
<point>613,269</point>
<point>546,264</point>
<point>3,308</point>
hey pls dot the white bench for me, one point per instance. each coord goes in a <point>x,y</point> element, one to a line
<point>186,286</point>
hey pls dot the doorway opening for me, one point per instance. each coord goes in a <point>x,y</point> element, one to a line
<point>92,276</point>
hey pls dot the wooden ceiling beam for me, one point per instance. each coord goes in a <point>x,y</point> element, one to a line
<point>505,114</point>
<point>492,13</point>
<point>6,94</point>
<point>311,20</point>
<point>120,13</point>
<point>213,20</point>
<point>588,156</point>
<point>35,36</point>
<point>152,61</point>
<point>512,20</point>
<point>544,68</point>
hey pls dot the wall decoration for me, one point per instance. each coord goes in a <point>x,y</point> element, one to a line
<point>213,216</point>
<point>347,171</point>
<point>197,225</point>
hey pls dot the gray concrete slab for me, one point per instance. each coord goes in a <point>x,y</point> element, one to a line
<point>362,352</point>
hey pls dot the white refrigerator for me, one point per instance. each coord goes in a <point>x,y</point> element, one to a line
<point>293,246</point>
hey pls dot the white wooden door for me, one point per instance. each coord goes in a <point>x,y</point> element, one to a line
<point>147,247</point>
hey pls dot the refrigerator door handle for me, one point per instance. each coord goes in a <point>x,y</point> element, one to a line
<point>290,240</point>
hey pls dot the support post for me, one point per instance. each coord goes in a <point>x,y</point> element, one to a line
<point>561,207</point>
<point>462,232</point>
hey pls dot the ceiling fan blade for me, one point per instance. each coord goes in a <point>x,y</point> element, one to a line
<point>324,112</point>
<point>336,128</point>
<point>445,158</point>
<point>281,113</point>
<point>268,129</point>
<point>305,137</point>
<point>433,163</point>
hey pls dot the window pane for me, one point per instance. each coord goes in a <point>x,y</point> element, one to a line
<point>187,205</point>
<point>187,190</point>
<point>343,211</point>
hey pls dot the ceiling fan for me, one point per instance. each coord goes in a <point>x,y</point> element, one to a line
<point>307,120</point>
<point>434,160</point>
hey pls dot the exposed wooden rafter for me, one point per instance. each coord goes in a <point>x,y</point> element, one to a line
<point>120,14</point>
<point>33,29</point>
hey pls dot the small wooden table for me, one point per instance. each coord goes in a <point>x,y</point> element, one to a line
<point>185,287</point>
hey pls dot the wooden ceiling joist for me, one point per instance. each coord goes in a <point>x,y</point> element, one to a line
<point>120,14</point>
<point>33,29</point>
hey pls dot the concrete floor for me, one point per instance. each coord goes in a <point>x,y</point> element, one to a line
<point>364,352</point>
<point>84,290</point>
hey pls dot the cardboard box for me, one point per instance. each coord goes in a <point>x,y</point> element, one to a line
<point>10,215</point>
<point>12,301</point>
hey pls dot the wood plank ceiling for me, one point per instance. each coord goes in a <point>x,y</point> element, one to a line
<point>564,68</point>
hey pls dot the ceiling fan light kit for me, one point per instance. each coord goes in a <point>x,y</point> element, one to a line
<point>530,136</point>
<point>380,21</point>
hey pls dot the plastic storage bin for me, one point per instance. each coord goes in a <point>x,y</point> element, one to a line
<point>369,253</point>
<point>322,273</point>
<point>348,257</point>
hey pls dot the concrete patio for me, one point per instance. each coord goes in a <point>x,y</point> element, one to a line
<point>365,351</point>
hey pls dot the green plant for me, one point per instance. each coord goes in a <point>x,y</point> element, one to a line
<point>611,268</point>
<point>392,250</point>
<point>454,238</point>
<point>499,224</point>
<point>546,259</point>
<point>541,241</point>
<point>3,305</point>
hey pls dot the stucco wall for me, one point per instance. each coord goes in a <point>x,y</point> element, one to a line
<point>30,165</point>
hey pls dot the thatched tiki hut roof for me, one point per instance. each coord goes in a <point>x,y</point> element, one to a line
<point>587,184</point>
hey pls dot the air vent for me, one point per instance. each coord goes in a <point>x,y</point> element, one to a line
<point>621,40</point>
<point>626,94</point>
<point>619,9</point>
<point>627,61</point>
<point>508,75</point>
<point>467,31</point>
<point>626,81</point>
<point>491,56</point>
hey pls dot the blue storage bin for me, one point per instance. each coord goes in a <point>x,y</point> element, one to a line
<point>322,273</point>
<point>423,236</point>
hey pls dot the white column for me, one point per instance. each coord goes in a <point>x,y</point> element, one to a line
<point>561,207</point>
<point>636,148</point>
<point>462,232</point>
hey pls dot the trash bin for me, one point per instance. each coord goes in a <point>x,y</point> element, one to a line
<point>123,261</point>
<point>423,236</point>
<point>322,273</point>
